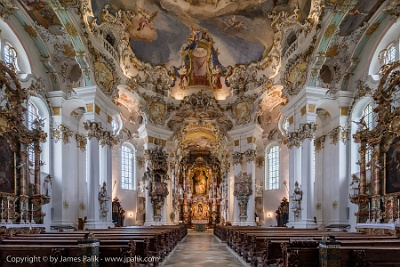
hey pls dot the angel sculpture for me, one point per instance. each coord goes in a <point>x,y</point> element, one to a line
<point>146,19</point>
<point>234,23</point>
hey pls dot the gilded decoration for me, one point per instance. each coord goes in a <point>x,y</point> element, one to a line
<point>30,30</point>
<point>384,140</point>
<point>156,159</point>
<point>93,129</point>
<point>330,31</point>
<point>81,141</point>
<point>107,138</point>
<point>71,30</point>
<point>260,162</point>
<point>242,109</point>
<point>104,76</point>
<point>15,141</point>
<point>250,155</point>
<point>157,112</point>
<point>242,191</point>
<point>62,132</point>
<point>339,133</point>
<point>237,158</point>
<point>200,175</point>
<point>305,131</point>
<point>319,143</point>
<point>140,162</point>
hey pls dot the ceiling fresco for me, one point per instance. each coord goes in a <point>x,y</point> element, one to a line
<point>161,28</point>
<point>200,68</point>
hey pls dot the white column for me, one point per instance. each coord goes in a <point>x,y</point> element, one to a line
<point>93,183</point>
<point>307,185</point>
<point>294,171</point>
<point>106,176</point>
<point>251,204</point>
<point>237,168</point>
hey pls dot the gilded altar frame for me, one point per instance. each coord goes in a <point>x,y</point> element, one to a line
<point>391,167</point>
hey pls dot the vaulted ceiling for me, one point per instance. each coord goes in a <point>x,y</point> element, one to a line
<point>200,67</point>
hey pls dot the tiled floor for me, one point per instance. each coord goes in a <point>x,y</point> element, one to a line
<point>202,249</point>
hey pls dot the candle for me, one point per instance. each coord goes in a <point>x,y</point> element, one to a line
<point>369,205</point>
<point>32,207</point>
<point>2,204</point>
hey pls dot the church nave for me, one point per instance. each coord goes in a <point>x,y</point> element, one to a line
<point>200,249</point>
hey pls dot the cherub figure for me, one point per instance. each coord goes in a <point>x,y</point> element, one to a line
<point>234,23</point>
<point>146,19</point>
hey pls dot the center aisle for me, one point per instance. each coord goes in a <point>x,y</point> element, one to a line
<point>202,249</point>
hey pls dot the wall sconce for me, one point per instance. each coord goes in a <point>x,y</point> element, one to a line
<point>130,214</point>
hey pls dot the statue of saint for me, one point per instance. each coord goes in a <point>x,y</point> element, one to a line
<point>200,183</point>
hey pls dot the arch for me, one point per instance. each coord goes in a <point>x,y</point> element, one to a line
<point>8,36</point>
<point>391,36</point>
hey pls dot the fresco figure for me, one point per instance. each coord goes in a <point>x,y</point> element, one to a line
<point>183,72</point>
<point>216,77</point>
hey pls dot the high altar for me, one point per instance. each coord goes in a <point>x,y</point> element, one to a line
<point>200,190</point>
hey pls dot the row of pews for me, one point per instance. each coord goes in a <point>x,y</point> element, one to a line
<point>281,246</point>
<point>125,246</point>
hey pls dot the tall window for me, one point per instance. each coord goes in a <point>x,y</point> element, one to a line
<point>127,171</point>
<point>32,115</point>
<point>368,116</point>
<point>10,56</point>
<point>273,168</point>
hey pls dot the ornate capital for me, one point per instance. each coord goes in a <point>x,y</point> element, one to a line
<point>93,129</point>
<point>61,132</point>
<point>307,130</point>
<point>106,138</point>
<point>250,155</point>
<point>293,139</point>
<point>237,158</point>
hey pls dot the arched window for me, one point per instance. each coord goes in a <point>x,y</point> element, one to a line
<point>272,168</point>
<point>10,56</point>
<point>368,115</point>
<point>32,115</point>
<point>388,55</point>
<point>127,167</point>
